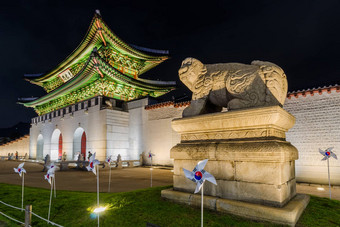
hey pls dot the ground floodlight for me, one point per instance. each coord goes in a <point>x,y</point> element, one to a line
<point>99,209</point>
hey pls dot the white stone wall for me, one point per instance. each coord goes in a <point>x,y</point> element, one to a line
<point>137,127</point>
<point>317,126</point>
<point>117,134</point>
<point>21,145</point>
<point>160,135</point>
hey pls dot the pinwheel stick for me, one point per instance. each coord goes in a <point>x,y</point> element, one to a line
<point>55,190</point>
<point>202,205</point>
<point>22,191</point>
<point>98,191</point>
<point>109,176</point>
<point>329,180</point>
<point>151,171</point>
<point>49,208</point>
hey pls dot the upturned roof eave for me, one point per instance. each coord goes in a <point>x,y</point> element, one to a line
<point>84,45</point>
<point>86,74</point>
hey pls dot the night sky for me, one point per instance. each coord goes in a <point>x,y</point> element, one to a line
<point>302,37</point>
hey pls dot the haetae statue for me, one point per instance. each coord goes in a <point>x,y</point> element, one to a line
<point>232,85</point>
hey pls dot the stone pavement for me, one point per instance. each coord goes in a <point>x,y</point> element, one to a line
<point>126,179</point>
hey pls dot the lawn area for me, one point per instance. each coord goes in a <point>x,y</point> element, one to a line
<point>136,208</point>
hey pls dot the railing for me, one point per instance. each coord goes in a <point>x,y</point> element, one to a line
<point>28,212</point>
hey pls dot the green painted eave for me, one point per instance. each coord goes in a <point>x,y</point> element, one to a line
<point>96,68</point>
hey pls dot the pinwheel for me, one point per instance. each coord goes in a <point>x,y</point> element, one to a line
<point>92,164</point>
<point>199,176</point>
<point>21,171</point>
<point>327,154</point>
<point>150,156</point>
<point>108,160</point>
<point>50,177</point>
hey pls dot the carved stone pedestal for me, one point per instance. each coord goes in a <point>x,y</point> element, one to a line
<point>247,151</point>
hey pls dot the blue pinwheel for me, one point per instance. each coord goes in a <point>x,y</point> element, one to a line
<point>199,175</point>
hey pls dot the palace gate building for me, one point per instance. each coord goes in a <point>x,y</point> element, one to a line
<point>94,99</point>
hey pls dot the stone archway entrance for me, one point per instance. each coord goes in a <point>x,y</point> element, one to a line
<point>56,145</point>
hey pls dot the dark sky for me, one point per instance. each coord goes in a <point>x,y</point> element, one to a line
<point>303,37</point>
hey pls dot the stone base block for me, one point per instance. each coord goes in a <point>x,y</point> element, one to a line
<point>287,215</point>
<point>266,194</point>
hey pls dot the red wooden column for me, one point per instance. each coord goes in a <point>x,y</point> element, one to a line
<point>60,147</point>
<point>83,145</point>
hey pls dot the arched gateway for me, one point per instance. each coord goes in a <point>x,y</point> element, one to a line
<point>79,143</point>
<point>56,145</point>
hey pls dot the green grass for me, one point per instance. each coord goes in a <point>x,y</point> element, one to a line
<point>136,208</point>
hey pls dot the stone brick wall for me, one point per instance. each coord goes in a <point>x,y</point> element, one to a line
<point>317,114</point>
<point>317,126</point>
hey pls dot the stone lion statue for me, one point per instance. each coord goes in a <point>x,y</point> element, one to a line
<point>232,85</point>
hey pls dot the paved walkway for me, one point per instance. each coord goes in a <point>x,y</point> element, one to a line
<point>126,179</point>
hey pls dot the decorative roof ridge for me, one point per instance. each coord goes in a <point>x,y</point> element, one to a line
<point>166,104</point>
<point>150,50</point>
<point>312,91</point>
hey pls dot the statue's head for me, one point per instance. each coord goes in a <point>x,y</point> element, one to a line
<point>190,70</point>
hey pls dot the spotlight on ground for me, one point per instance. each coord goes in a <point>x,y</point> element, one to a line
<point>320,189</point>
<point>99,209</point>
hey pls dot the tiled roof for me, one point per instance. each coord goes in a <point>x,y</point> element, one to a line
<point>313,91</point>
<point>165,104</point>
